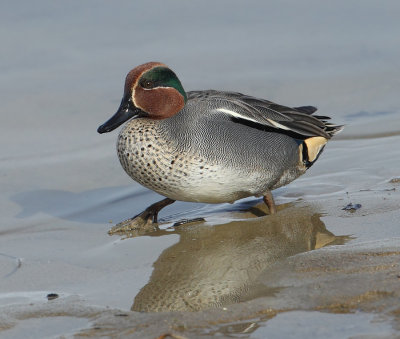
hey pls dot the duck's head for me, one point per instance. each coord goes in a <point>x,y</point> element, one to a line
<point>153,91</point>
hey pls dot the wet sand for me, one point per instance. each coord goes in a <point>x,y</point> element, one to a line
<point>313,269</point>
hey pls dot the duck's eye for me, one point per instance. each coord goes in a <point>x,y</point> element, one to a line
<point>147,84</point>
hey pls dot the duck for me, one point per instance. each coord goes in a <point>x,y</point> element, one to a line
<point>209,146</point>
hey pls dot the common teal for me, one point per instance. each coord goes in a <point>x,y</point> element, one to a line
<point>209,146</point>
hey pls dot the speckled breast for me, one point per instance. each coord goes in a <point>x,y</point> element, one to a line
<point>163,167</point>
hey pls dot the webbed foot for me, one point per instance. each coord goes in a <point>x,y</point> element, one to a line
<point>142,223</point>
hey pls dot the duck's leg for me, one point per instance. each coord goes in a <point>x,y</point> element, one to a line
<point>143,221</point>
<point>269,201</point>
<point>152,210</point>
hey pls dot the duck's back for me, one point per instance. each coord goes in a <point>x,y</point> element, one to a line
<point>218,139</point>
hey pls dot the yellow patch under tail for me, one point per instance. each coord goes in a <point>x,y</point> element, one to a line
<point>314,147</point>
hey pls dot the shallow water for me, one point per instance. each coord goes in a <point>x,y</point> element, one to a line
<point>50,327</point>
<point>308,325</point>
<point>62,188</point>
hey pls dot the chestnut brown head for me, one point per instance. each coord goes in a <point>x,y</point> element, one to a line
<point>153,91</point>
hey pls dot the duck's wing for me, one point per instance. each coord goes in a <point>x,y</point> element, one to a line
<point>265,114</point>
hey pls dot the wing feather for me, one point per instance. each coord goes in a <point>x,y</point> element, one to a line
<point>240,107</point>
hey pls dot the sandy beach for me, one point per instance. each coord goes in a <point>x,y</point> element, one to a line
<point>315,269</point>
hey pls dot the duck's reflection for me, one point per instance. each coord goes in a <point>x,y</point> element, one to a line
<point>212,266</point>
